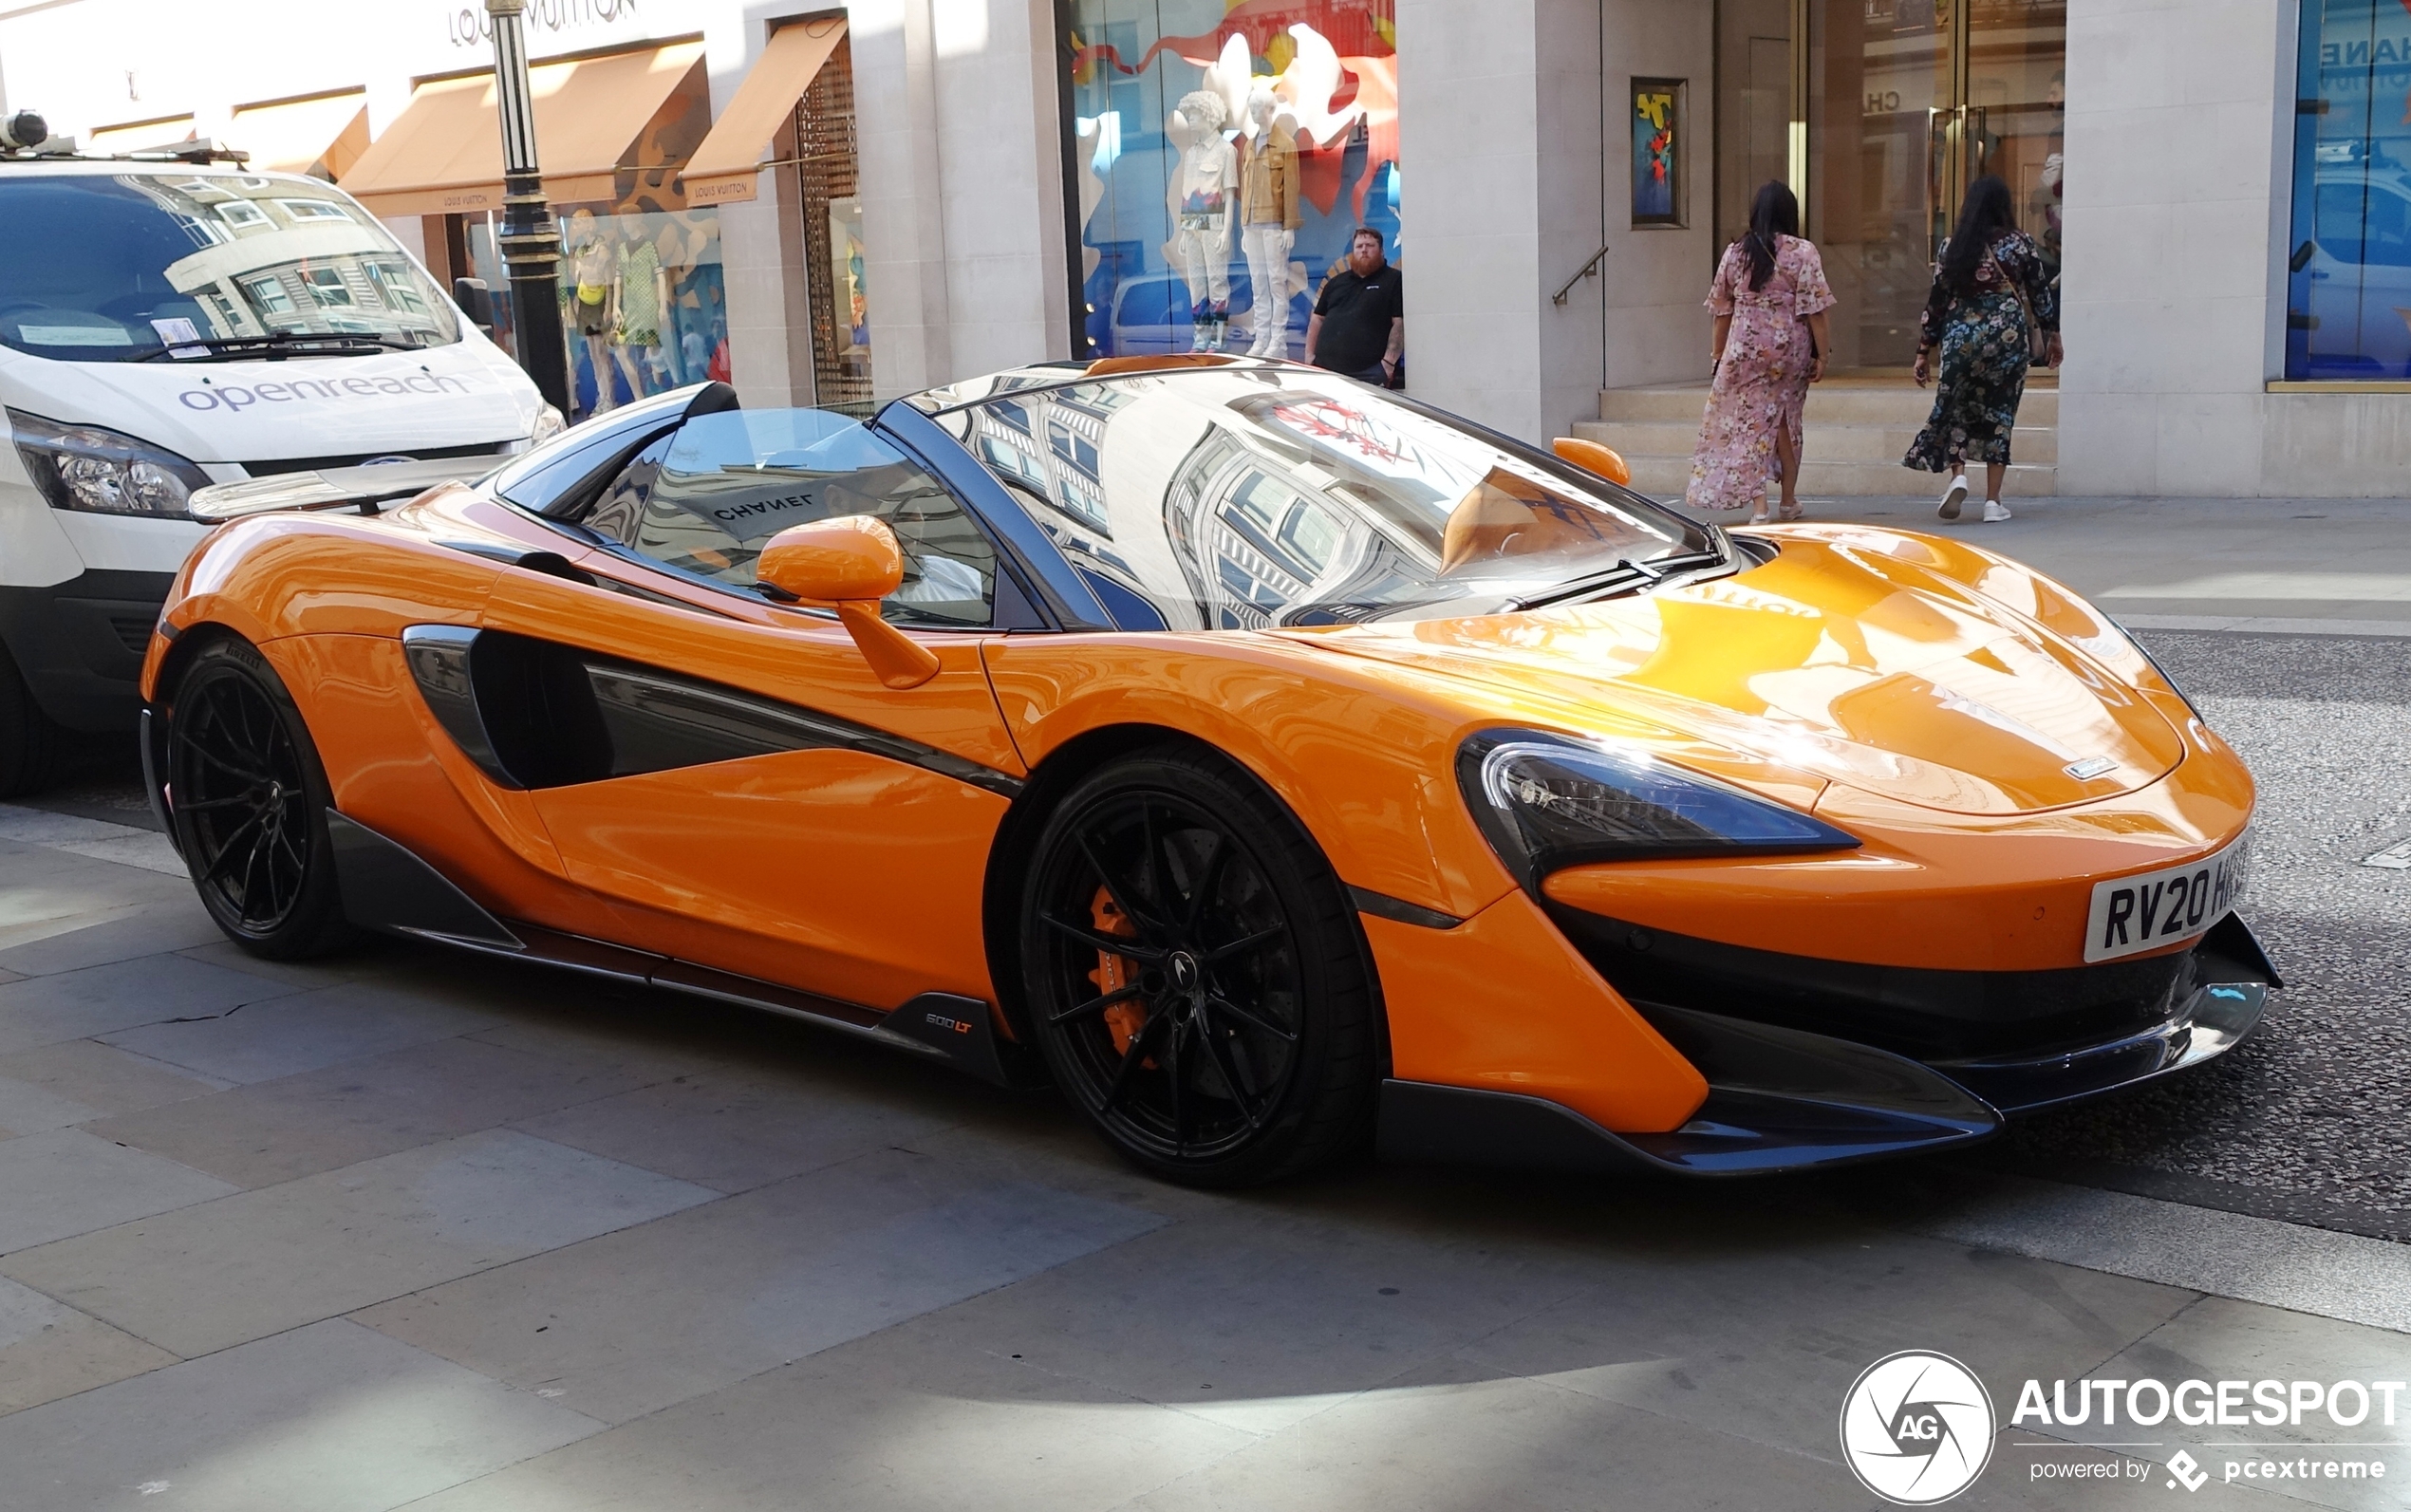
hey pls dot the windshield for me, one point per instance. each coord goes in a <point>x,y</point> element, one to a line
<point>1246,497</point>
<point>123,267</point>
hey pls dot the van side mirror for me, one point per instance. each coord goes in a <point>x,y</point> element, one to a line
<point>849,564</point>
<point>1593,457</point>
<point>475,301</point>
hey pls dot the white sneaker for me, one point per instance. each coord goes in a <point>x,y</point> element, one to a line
<point>1954,497</point>
<point>1995,512</point>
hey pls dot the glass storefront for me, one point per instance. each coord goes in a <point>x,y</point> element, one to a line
<point>1222,157</point>
<point>2349,285</point>
<point>827,170</point>
<point>1907,102</point>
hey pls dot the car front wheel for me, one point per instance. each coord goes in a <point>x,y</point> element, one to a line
<point>1194,974</point>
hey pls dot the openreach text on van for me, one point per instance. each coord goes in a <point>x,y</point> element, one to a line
<point>2201,1403</point>
<point>239,396</point>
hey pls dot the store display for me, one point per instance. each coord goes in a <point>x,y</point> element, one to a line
<point>1202,194</point>
<point>1269,219</point>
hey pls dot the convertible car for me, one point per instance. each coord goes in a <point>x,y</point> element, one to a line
<point>1277,766</point>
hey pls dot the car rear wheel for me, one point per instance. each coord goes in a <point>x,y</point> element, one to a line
<point>1194,974</point>
<point>250,800</point>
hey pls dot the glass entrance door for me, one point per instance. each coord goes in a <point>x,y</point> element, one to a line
<point>1894,107</point>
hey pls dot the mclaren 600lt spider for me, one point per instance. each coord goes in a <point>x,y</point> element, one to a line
<point>1276,765</point>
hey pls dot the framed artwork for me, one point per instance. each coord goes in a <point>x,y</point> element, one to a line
<point>1657,151</point>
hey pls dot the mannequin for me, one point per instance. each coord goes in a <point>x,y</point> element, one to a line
<point>591,275</point>
<point>640,298</point>
<point>1203,196</point>
<point>1269,219</point>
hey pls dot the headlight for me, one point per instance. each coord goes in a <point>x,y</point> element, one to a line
<point>85,468</point>
<point>548,424</point>
<point>1550,801</point>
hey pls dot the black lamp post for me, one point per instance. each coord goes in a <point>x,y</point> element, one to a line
<point>531,239</point>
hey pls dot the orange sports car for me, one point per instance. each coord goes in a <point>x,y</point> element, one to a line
<point>1276,765</point>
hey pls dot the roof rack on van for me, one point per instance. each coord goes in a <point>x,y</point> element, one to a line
<point>197,153</point>
<point>26,138</point>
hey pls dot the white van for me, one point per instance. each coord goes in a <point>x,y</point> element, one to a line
<point>168,324</point>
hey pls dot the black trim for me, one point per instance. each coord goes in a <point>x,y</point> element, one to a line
<point>533,559</point>
<point>539,714</point>
<point>1925,1014</point>
<point>1059,589</point>
<point>437,656</point>
<point>1381,905</point>
<point>155,763</point>
<point>78,643</point>
<point>386,887</point>
<point>1732,1134</point>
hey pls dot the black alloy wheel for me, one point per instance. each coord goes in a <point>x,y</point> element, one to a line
<point>249,800</point>
<point>1195,976</point>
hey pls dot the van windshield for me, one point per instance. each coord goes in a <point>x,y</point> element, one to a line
<point>179,265</point>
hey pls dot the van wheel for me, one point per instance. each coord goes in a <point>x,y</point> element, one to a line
<point>28,741</point>
<point>250,805</point>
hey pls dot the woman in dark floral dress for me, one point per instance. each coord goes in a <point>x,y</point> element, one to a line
<point>1989,275</point>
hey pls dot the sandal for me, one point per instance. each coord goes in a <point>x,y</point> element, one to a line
<point>1792,512</point>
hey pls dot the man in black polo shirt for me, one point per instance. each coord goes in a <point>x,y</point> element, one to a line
<point>1359,324</point>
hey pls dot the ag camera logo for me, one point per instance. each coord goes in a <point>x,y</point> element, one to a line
<point>1917,1427</point>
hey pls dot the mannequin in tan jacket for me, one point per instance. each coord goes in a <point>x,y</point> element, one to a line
<point>1268,218</point>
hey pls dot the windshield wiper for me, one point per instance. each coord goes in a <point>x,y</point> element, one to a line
<point>1648,573</point>
<point>286,344</point>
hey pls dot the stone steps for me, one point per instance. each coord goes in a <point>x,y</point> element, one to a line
<point>1856,433</point>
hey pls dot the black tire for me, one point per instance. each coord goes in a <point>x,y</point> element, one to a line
<point>1194,974</point>
<point>248,799</point>
<point>30,743</point>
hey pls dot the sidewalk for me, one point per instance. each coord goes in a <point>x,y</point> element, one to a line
<point>2325,567</point>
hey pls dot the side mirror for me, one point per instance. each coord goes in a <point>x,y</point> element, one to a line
<point>849,564</point>
<point>475,301</point>
<point>1593,457</point>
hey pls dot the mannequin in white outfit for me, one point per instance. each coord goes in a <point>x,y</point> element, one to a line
<point>1203,196</point>
<point>1269,219</point>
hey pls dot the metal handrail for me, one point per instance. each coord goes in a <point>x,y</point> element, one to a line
<point>1589,269</point>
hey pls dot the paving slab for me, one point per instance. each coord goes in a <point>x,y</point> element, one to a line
<point>900,1421</point>
<point>346,966</point>
<point>66,1181</point>
<point>81,1003</point>
<point>295,1032</point>
<point>736,1128</point>
<point>103,1077</point>
<point>1764,1344</point>
<point>121,929</point>
<point>313,1121</point>
<point>258,1262</point>
<point>48,1350</point>
<point>634,1321</point>
<point>25,1109</point>
<point>329,1418</point>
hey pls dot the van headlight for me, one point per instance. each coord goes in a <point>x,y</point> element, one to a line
<point>1549,801</point>
<point>99,471</point>
<point>549,424</point>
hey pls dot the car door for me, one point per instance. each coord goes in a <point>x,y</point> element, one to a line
<point>729,771</point>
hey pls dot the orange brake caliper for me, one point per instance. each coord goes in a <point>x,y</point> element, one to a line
<point>1114,973</point>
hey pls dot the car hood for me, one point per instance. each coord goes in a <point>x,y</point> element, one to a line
<point>465,394</point>
<point>1927,673</point>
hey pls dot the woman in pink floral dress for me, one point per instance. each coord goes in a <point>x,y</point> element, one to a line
<point>1769,300</point>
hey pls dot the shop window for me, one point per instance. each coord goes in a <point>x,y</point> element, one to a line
<point>1202,222</point>
<point>828,176</point>
<point>2349,286</point>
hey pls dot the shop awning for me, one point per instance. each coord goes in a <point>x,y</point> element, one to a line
<point>725,167</point>
<point>323,136</point>
<point>141,136</point>
<point>444,154</point>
